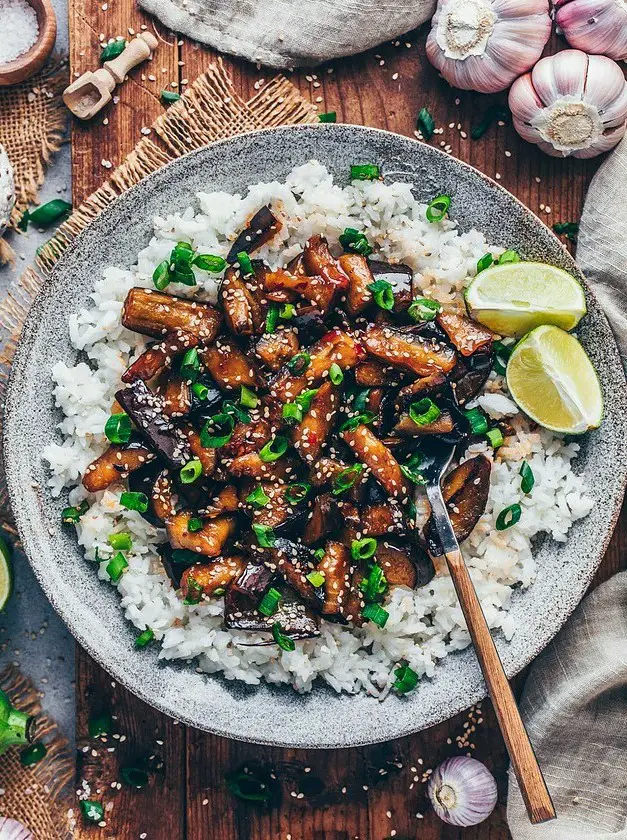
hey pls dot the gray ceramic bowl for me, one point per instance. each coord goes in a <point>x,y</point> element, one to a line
<point>91,610</point>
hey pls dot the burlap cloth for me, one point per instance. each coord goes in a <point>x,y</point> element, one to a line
<point>33,120</point>
<point>39,796</point>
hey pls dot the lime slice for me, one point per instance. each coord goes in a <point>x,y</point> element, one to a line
<point>6,573</point>
<point>553,381</point>
<point>513,298</point>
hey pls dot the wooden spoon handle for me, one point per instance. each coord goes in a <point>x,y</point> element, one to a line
<point>532,785</point>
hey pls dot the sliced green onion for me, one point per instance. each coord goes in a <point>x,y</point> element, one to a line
<point>91,810</point>
<point>329,117</point>
<point>493,114</point>
<point>274,449</point>
<point>304,400</point>
<point>210,263</point>
<point>527,478</point>
<point>32,754</point>
<point>383,294</point>
<point>356,241</point>
<point>120,542</point>
<point>292,413</point>
<point>71,515</point>
<point>406,679</point>
<point>265,535</point>
<point>509,256</point>
<point>316,578</point>
<point>502,352</point>
<point>424,309</point>
<point>484,262</point>
<point>169,96</point>
<point>194,524</point>
<point>221,423</point>
<point>191,471</point>
<point>116,567</point>
<point>229,407</point>
<point>567,229</point>
<point>249,787</point>
<point>477,420</point>
<point>113,50</point>
<point>201,391</point>
<point>245,264</point>
<point>258,498</point>
<point>508,516</point>
<point>495,438</point>
<point>272,318</point>
<point>134,501</point>
<point>361,399</point>
<point>336,374</point>
<point>118,428</point>
<point>194,592</point>
<point>190,366</point>
<point>287,311</point>
<point>136,777</point>
<point>270,602</point>
<point>144,638</point>
<point>438,208</point>
<point>47,214</point>
<point>363,549</point>
<point>161,275</point>
<point>411,475</point>
<point>361,419</point>
<point>425,123</point>
<point>424,411</point>
<point>101,724</point>
<point>248,398</point>
<point>375,584</point>
<point>283,641</point>
<point>345,479</point>
<point>365,172</point>
<point>299,363</point>
<point>297,492</point>
<point>319,553</point>
<point>376,614</point>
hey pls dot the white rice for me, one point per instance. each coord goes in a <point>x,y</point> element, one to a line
<point>425,624</point>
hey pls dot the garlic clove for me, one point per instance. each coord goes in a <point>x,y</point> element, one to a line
<point>594,26</point>
<point>605,86</point>
<point>563,74</point>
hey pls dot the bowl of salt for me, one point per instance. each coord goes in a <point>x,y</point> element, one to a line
<point>29,30</point>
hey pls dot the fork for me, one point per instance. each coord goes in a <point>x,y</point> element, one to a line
<point>437,457</point>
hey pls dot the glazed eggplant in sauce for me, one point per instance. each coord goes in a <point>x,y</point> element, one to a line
<point>277,435</point>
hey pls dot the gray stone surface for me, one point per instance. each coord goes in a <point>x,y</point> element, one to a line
<point>31,633</point>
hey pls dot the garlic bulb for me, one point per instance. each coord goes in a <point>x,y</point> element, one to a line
<point>571,104</point>
<point>7,190</point>
<point>462,791</point>
<point>13,830</point>
<point>485,44</point>
<point>594,26</point>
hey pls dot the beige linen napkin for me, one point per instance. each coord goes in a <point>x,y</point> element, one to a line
<point>575,708</point>
<point>290,33</point>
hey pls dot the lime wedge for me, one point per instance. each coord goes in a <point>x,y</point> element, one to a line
<point>6,573</point>
<point>552,380</point>
<point>513,298</point>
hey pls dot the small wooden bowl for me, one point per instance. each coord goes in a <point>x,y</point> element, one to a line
<point>26,65</point>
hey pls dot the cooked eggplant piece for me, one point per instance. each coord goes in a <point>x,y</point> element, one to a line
<point>251,466</point>
<point>146,410</point>
<point>465,491</point>
<point>465,335</point>
<point>177,397</point>
<point>202,410</point>
<point>383,518</point>
<point>212,576</point>
<point>317,290</point>
<point>427,386</point>
<point>470,375</point>
<point>295,620</point>
<point>319,262</point>
<point>206,455</point>
<point>252,584</point>
<point>159,358</point>
<point>374,374</point>
<point>162,496</point>
<point>336,346</point>
<point>294,562</point>
<point>276,349</point>
<point>309,325</point>
<point>285,519</point>
<point>358,295</point>
<point>115,463</point>
<point>210,540</point>
<point>398,275</point>
<point>325,518</point>
<point>153,313</point>
<point>337,568</point>
<point>310,436</point>
<point>242,313</point>
<point>260,229</point>
<point>397,565</point>
<point>355,601</point>
<point>224,501</point>
<point>408,350</point>
<point>248,437</point>
<point>383,465</point>
<point>174,569</point>
<point>229,366</point>
<point>443,425</point>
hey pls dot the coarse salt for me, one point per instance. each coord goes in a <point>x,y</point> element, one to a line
<point>20,30</point>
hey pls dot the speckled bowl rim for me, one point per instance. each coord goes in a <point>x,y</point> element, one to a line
<point>321,719</point>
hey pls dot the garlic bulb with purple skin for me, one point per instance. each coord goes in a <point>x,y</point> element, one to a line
<point>571,104</point>
<point>594,26</point>
<point>462,791</point>
<point>484,45</point>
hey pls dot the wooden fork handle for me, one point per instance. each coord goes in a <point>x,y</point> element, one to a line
<point>532,785</point>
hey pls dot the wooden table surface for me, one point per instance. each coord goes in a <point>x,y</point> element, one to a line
<point>369,793</point>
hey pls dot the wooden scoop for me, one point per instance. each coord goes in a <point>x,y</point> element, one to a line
<point>90,93</point>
